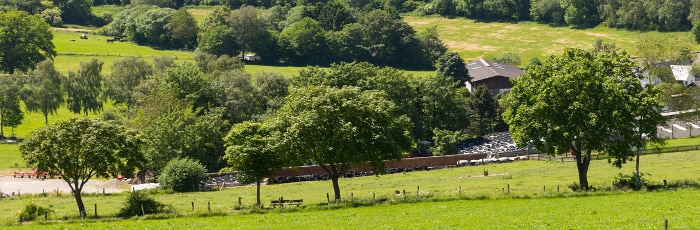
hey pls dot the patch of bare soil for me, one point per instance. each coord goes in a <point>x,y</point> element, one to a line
<point>10,185</point>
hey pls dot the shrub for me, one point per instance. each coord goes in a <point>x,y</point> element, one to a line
<point>627,181</point>
<point>31,211</point>
<point>183,175</point>
<point>138,199</point>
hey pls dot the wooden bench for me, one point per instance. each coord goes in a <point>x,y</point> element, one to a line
<point>281,202</point>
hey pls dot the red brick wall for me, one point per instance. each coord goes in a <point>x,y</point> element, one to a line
<point>434,161</point>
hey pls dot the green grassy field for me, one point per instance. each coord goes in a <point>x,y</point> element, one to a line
<point>617,211</point>
<point>532,203</point>
<point>473,39</point>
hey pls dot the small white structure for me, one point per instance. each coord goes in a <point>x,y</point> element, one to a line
<point>251,57</point>
<point>682,73</point>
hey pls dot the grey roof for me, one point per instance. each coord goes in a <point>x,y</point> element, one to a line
<point>482,69</point>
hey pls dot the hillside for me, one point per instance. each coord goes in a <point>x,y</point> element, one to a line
<point>473,39</point>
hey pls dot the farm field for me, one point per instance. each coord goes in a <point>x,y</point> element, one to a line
<point>483,202</point>
<point>473,39</point>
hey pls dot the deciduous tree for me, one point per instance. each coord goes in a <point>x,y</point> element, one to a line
<point>451,65</point>
<point>252,151</point>
<point>84,88</point>
<point>483,108</point>
<point>9,99</point>
<point>336,128</point>
<point>582,102</point>
<point>127,73</point>
<point>42,90</point>
<point>25,40</point>
<point>82,149</point>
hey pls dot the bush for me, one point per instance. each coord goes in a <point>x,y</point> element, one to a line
<point>138,199</point>
<point>31,211</point>
<point>627,181</point>
<point>183,175</point>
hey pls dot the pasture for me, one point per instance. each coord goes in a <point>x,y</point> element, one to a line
<point>473,39</point>
<point>483,202</point>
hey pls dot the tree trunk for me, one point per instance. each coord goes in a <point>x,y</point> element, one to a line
<point>2,135</point>
<point>637,179</point>
<point>582,163</point>
<point>79,200</point>
<point>336,187</point>
<point>257,184</point>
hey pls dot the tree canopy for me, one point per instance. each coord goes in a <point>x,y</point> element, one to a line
<point>336,128</point>
<point>80,149</point>
<point>252,151</point>
<point>583,102</point>
<point>25,40</point>
<point>43,90</point>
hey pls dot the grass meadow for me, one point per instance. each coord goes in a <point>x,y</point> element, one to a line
<point>473,39</point>
<point>433,199</point>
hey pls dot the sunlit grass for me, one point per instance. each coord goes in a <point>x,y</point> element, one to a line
<point>532,201</point>
<point>474,39</point>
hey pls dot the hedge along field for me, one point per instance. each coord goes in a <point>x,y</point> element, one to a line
<point>473,39</point>
<point>533,179</point>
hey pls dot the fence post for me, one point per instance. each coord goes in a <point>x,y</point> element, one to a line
<point>460,190</point>
<point>103,192</point>
<point>328,197</point>
<point>143,211</point>
<point>508,188</point>
<point>95,210</point>
<point>208,206</point>
<point>557,188</point>
<point>664,183</point>
<point>239,201</point>
<point>417,190</point>
<point>544,188</point>
<point>666,224</point>
<point>193,206</point>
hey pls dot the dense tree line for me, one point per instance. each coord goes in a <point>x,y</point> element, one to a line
<point>661,15</point>
<point>317,34</point>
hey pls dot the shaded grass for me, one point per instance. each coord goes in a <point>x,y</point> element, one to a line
<point>473,39</point>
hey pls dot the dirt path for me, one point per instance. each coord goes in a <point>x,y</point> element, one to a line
<point>9,184</point>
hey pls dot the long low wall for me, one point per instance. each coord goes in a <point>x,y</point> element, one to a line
<point>434,161</point>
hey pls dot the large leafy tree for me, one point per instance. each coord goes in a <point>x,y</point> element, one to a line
<point>75,11</point>
<point>483,106</point>
<point>9,99</point>
<point>395,83</point>
<point>42,90</point>
<point>81,149</point>
<point>247,27</point>
<point>304,42</point>
<point>219,40</point>
<point>336,128</point>
<point>441,105</point>
<point>182,30</point>
<point>25,40</point>
<point>126,75</point>
<point>252,151</point>
<point>452,66</point>
<point>237,94</point>
<point>582,102</point>
<point>85,88</point>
